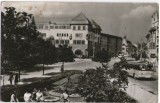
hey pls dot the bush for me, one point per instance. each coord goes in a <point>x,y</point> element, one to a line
<point>95,85</point>
<point>101,56</point>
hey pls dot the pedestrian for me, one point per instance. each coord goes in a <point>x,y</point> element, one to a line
<point>39,96</point>
<point>62,68</point>
<point>27,97</point>
<point>16,79</point>
<point>65,96</point>
<point>34,94</point>
<point>14,97</point>
<point>11,78</point>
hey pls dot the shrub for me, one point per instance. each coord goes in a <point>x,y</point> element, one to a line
<point>95,85</point>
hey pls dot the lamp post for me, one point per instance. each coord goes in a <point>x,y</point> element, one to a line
<point>87,37</point>
<point>19,70</point>
<point>43,54</point>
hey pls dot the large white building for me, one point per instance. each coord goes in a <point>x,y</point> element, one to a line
<point>153,36</point>
<point>74,33</point>
<point>81,34</point>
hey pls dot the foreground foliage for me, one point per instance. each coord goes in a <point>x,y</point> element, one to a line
<point>23,46</point>
<point>103,84</point>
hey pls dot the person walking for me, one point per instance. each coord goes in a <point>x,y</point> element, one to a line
<point>11,78</point>
<point>16,79</point>
<point>14,97</point>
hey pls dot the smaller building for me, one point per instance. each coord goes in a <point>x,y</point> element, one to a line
<point>112,44</point>
<point>128,49</point>
<point>153,36</point>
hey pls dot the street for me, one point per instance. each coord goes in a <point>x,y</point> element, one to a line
<point>149,86</point>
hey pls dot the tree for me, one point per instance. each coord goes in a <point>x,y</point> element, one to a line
<point>65,54</point>
<point>101,56</point>
<point>20,39</point>
<point>103,84</point>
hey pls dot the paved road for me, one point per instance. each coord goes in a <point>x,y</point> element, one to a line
<point>147,86</point>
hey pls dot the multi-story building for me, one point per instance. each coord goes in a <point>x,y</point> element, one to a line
<point>153,36</point>
<point>124,46</point>
<point>73,33</point>
<point>112,44</point>
<point>128,49</point>
<point>81,34</point>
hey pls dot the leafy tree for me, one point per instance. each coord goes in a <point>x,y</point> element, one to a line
<point>65,54</point>
<point>103,84</point>
<point>101,56</point>
<point>20,39</point>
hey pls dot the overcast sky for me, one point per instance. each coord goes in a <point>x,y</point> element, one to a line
<point>112,17</point>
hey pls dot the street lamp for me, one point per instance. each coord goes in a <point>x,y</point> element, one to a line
<point>87,37</point>
<point>19,71</point>
<point>44,52</point>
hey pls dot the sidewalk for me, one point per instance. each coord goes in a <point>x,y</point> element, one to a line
<point>140,94</point>
<point>56,68</point>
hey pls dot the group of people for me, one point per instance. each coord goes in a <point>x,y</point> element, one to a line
<point>37,96</point>
<point>13,78</point>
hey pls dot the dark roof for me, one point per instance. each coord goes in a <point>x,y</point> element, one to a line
<point>80,19</point>
<point>103,34</point>
<point>94,24</point>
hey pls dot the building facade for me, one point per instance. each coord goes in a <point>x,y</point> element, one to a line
<point>153,36</point>
<point>81,34</point>
<point>112,44</point>
<point>73,33</point>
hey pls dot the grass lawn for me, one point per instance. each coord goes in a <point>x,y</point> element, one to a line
<point>54,83</point>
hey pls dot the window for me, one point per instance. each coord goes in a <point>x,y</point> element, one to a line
<point>57,41</point>
<point>66,41</point>
<point>62,41</point>
<point>41,26</point>
<point>74,27</point>
<point>57,34</point>
<point>79,27</point>
<point>68,27</point>
<point>67,35</point>
<point>63,27</point>
<point>56,27</point>
<point>84,27</point>
<point>62,34</point>
<point>46,27</point>
<point>78,41</point>
<point>51,27</point>
<point>79,35</point>
<point>83,42</point>
<point>74,42</point>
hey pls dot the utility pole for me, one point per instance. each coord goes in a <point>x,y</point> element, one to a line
<point>141,51</point>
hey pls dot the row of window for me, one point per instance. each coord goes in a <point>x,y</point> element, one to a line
<point>53,27</point>
<point>79,27</point>
<point>62,35</point>
<point>152,46</point>
<point>78,41</point>
<point>67,42</point>
<point>62,27</point>
<point>62,42</point>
